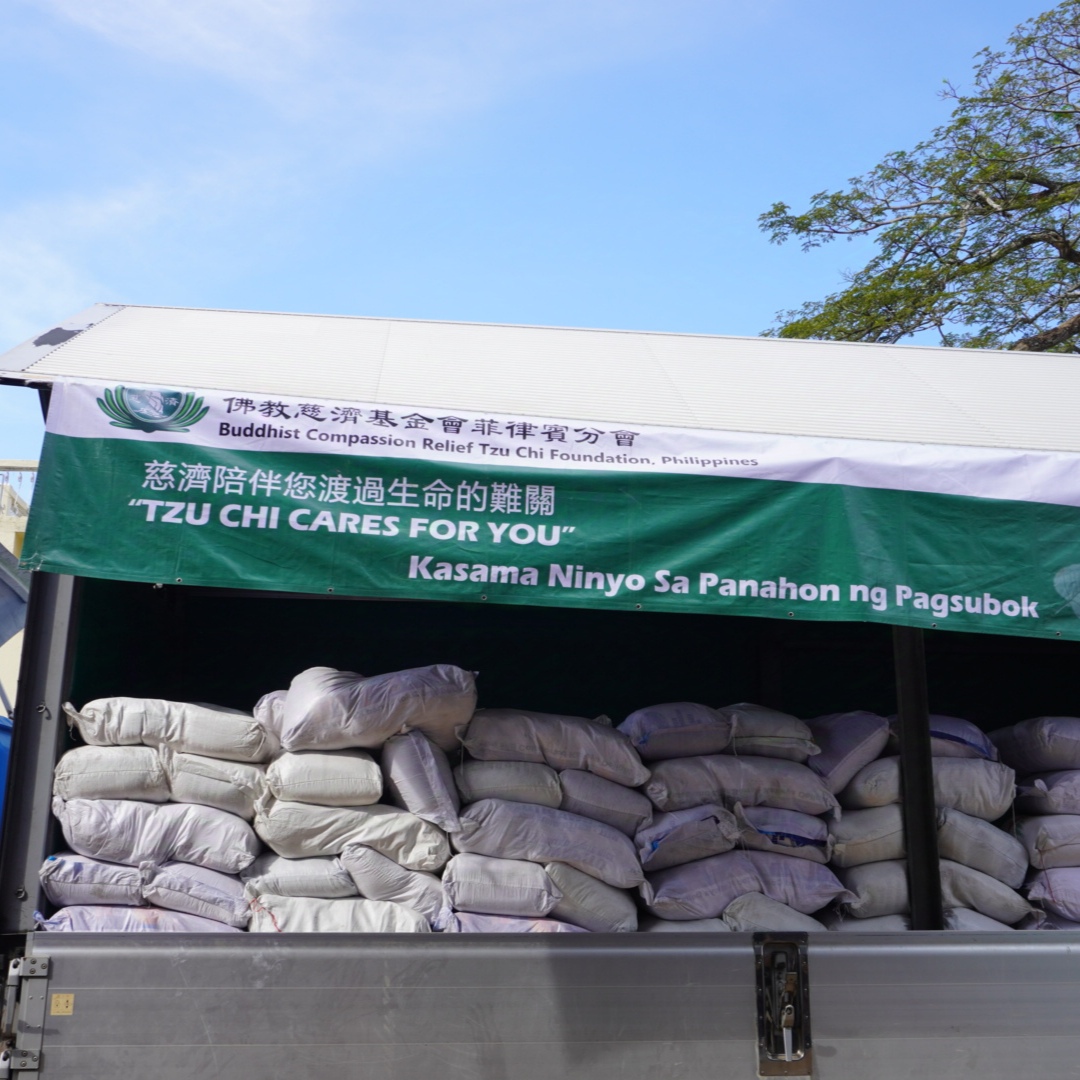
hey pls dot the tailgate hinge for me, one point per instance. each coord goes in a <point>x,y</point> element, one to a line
<point>23,1018</point>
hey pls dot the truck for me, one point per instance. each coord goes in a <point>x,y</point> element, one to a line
<point>593,521</point>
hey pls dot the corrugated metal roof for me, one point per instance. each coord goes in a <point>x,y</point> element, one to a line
<point>835,389</point>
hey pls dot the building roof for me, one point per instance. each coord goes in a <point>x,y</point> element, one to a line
<point>812,388</point>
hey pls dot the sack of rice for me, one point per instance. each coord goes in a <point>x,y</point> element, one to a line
<point>681,783</point>
<point>506,830</point>
<point>1049,793</point>
<point>869,836</point>
<point>298,830</point>
<point>468,923</point>
<point>563,742</point>
<point>589,902</point>
<point>972,921</point>
<point>963,887</point>
<point>111,772</point>
<point>848,741</point>
<point>91,918</point>
<point>754,911</point>
<point>210,730</point>
<point>378,878</point>
<point>879,924</point>
<point>950,736</point>
<point>704,889</point>
<point>514,781</point>
<point>120,831</point>
<point>327,709</point>
<point>982,846</point>
<point>487,886</point>
<point>652,925</point>
<point>321,877</point>
<point>326,778</point>
<point>879,888</point>
<point>306,915</point>
<point>787,832</point>
<point>762,732</point>
<point>195,890</point>
<point>418,777</point>
<point>1057,891</point>
<point>683,836</point>
<point>232,786</point>
<point>1051,841</point>
<point>69,879</point>
<point>592,796</point>
<point>1043,744</point>
<point>678,729</point>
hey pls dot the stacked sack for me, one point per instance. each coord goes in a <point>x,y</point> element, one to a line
<point>549,810</point>
<point>742,836</point>
<point>982,865</point>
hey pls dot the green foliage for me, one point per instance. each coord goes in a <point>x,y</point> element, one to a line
<point>978,227</point>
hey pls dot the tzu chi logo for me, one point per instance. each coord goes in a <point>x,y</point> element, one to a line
<point>151,410</point>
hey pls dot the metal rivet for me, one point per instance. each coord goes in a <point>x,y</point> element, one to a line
<point>791,614</point>
<point>179,581</point>
<point>482,596</point>
<point>637,607</point>
<point>329,590</point>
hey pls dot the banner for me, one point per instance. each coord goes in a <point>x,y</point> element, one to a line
<point>312,496</point>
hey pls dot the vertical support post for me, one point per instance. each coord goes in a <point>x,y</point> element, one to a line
<point>917,779</point>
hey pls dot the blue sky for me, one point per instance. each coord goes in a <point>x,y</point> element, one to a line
<point>565,162</point>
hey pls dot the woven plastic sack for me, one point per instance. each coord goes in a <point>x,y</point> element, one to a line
<point>590,903</point>
<point>592,796</point>
<point>506,830</point>
<point>378,878</point>
<point>270,711</point>
<point>704,889</point>
<point>111,772</point>
<point>950,736</point>
<point>869,836</point>
<point>972,921</point>
<point>306,915</point>
<point>418,777</point>
<point>563,742</point>
<point>848,741</point>
<point>514,781</point>
<point>963,887</point>
<point>1043,744</point>
<point>652,925</point>
<point>1047,920</point>
<point>753,912</point>
<point>320,877</point>
<point>1051,841</point>
<point>1049,793</point>
<point>322,778</point>
<point>1057,891</point>
<point>879,888</point>
<point>752,781</point>
<point>879,924</point>
<point>486,886</point>
<point>68,879</point>
<point>678,729</point>
<point>134,832</point>
<point>682,836</point>
<point>762,732</point>
<point>91,918</point>
<point>467,923</point>
<point>982,846</point>
<point>195,890</point>
<point>210,730</point>
<point>233,786</point>
<point>298,830</point>
<point>327,709</point>
<point>786,832</point>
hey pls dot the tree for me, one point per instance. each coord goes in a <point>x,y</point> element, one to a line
<point>978,227</point>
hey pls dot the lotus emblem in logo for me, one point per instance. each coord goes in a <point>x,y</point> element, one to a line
<point>151,410</point>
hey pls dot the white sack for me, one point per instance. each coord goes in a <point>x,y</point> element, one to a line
<point>336,778</point>
<point>1043,744</point>
<point>869,836</point>
<point>418,777</point>
<point>111,772</point>
<point>321,877</point>
<point>592,796</point>
<point>563,742</point>
<point>1058,891</point>
<point>589,902</point>
<point>787,832</point>
<point>763,732</point>
<point>678,729</point>
<point>68,878</point>
<point>1049,793</point>
<point>233,786</point>
<point>880,888</point>
<point>848,741</point>
<point>1046,920</point>
<point>297,830</point>
<point>983,789</point>
<point>486,886</point>
<point>756,912</point>
<point>962,887</point>
<point>753,781</point>
<point>466,923</point>
<point>92,919</point>
<point>950,736</point>
<point>514,781</point>
<point>134,832</point>
<point>879,924</point>
<point>379,878</point>
<point>507,830</point>
<point>306,915</point>
<point>966,919</point>
<point>210,730</point>
<point>652,925</point>
<point>683,836</point>
<point>982,846</point>
<point>1051,841</point>
<point>703,889</point>
<point>270,711</point>
<point>327,709</point>
<point>195,890</point>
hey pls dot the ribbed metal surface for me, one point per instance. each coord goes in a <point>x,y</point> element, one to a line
<point>845,390</point>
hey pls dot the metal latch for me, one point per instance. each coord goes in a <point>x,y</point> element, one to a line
<point>23,1021</point>
<point>783,1005</point>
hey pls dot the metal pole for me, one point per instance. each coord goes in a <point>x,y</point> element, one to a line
<point>917,779</point>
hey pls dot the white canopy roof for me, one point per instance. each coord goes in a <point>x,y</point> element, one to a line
<point>836,389</point>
